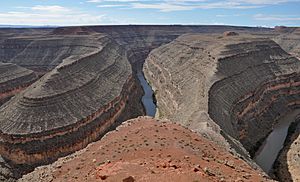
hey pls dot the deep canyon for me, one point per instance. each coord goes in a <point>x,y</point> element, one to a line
<point>234,87</point>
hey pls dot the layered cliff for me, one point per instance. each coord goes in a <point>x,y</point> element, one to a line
<point>70,106</point>
<point>145,149</point>
<point>13,79</point>
<point>139,40</point>
<point>225,87</point>
<point>42,53</point>
<point>287,166</point>
<point>242,83</point>
<point>43,49</point>
<point>289,40</point>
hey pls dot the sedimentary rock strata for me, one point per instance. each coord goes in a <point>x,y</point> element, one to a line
<point>230,86</point>
<point>245,83</point>
<point>139,40</point>
<point>287,166</point>
<point>43,49</point>
<point>70,106</point>
<point>145,149</point>
<point>13,79</point>
<point>289,40</point>
<point>42,53</point>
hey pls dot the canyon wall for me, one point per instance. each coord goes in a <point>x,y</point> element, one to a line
<point>287,165</point>
<point>89,87</point>
<point>139,40</point>
<point>41,50</point>
<point>42,53</point>
<point>14,79</point>
<point>242,83</point>
<point>69,107</point>
<point>289,40</point>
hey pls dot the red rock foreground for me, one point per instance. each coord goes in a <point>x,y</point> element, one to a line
<point>144,149</point>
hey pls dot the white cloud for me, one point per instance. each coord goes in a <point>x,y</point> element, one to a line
<point>263,17</point>
<point>170,6</point>
<point>111,6</point>
<point>264,2</point>
<point>101,1</point>
<point>227,15</point>
<point>50,15</point>
<point>226,5</point>
<point>182,5</point>
<point>164,7</point>
<point>50,8</point>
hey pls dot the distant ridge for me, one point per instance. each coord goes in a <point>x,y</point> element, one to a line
<point>28,26</point>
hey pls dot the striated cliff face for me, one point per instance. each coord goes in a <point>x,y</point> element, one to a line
<point>139,40</point>
<point>13,79</point>
<point>42,53</point>
<point>287,166</point>
<point>70,106</point>
<point>222,86</point>
<point>242,83</point>
<point>43,49</point>
<point>289,40</point>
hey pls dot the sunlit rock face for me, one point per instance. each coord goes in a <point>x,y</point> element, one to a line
<point>243,83</point>
<point>14,79</point>
<point>88,84</point>
<point>70,106</point>
<point>288,39</point>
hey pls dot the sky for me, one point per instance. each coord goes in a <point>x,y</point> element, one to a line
<point>267,13</point>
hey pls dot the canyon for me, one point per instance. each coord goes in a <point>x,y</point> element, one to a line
<point>14,79</point>
<point>243,83</point>
<point>228,85</point>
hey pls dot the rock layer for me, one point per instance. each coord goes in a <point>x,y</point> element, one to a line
<point>99,93</point>
<point>243,82</point>
<point>69,107</point>
<point>42,53</point>
<point>287,166</point>
<point>289,40</point>
<point>13,79</point>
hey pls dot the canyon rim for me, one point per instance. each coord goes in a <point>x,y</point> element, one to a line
<point>82,100</point>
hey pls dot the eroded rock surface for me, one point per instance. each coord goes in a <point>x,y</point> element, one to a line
<point>70,106</point>
<point>100,89</point>
<point>14,79</point>
<point>289,40</point>
<point>245,83</point>
<point>287,166</point>
<point>145,149</point>
<point>42,53</point>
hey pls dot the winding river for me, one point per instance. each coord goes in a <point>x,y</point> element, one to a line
<point>147,98</point>
<point>268,152</point>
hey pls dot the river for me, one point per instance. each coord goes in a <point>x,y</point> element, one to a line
<point>269,150</point>
<point>147,98</point>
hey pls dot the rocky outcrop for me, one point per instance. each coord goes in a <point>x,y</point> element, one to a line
<point>287,166</point>
<point>99,94</point>
<point>42,53</point>
<point>242,83</point>
<point>14,79</point>
<point>230,33</point>
<point>145,149</point>
<point>69,107</point>
<point>289,40</point>
<point>139,40</point>
<point>43,49</point>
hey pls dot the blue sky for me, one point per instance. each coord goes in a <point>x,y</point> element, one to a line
<point>106,12</point>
